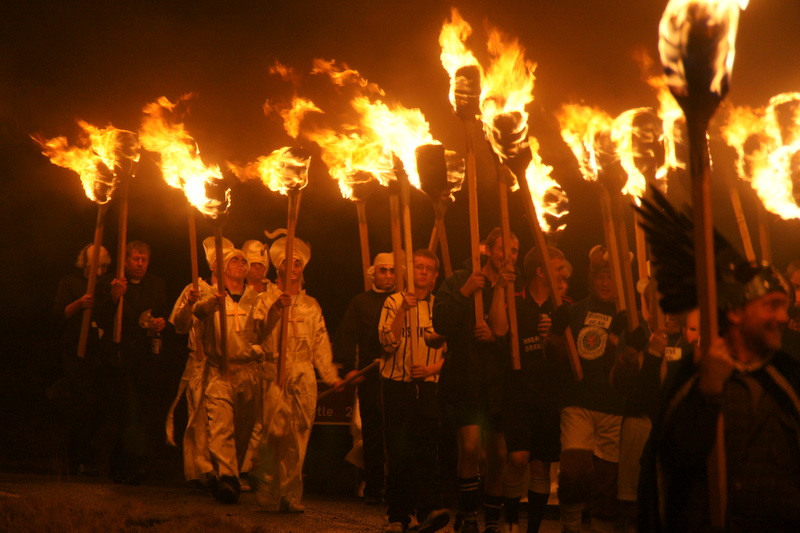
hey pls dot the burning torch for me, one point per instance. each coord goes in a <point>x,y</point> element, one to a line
<point>697,43</point>
<point>204,188</point>
<point>106,158</point>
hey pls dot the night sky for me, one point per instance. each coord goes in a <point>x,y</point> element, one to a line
<point>103,61</point>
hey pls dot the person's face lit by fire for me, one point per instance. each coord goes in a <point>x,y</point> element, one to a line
<point>236,268</point>
<point>384,277</point>
<point>496,257</point>
<point>136,265</point>
<point>602,285</point>
<point>691,331</point>
<point>256,273</point>
<point>295,274</point>
<point>425,273</point>
<point>761,321</point>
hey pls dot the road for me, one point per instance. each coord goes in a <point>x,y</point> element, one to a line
<point>39,502</point>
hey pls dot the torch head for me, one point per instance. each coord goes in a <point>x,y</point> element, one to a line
<point>432,170</point>
<point>127,152</point>
<point>364,188</point>
<point>468,91</point>
<point>647,147</point>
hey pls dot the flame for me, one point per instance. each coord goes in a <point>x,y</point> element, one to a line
<point>623,133</point>
<point>742,124</point>
<point>770,162</point>
<point>507,87</point>
<point>342,76</point>
<point>582,128</point>
<point>455,54</point>
<point>281,171</point>
<point>352,159</point>
<point>455,172</point>
<point>293,116</point>
<point>699,25</point>
<point>181,164</point>
<point>94,161</point>
<point>549,199</point>
<point>398,129</point>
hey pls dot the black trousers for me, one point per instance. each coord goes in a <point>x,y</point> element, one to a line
<point>411,418</point>
<point>369,402</point>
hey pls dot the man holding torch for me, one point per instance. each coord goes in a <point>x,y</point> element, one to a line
<point>83,376</point>
<point>355,346</point>
<point>410,375</point>
<point>234,391</point>
<point>278,464</point>
<point>730,430</point>
<point>532,393</point>
<point>473,379</point>
<point>143,311</point>
<point>197,465</point>
<point>747,378</point>
<point>591,413</point>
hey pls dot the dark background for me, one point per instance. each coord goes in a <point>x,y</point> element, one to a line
<point>103,61</point>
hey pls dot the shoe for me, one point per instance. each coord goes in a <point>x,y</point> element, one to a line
<point>435,521</point>
<point>291,507</point>
<point>227,490</point>
<point>244,483</point>
<point>394,527</point>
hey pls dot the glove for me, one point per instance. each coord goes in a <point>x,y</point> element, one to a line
<point>619,323</point>
<point>560,318</point>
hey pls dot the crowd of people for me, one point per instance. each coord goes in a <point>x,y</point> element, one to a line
<point>632,436</point>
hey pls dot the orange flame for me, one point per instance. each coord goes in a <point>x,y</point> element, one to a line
<point>507,87</point>
<point>742,124</point>
<point>94,162</point>
<point>771,161</point>
<point>455,172</point>
<point>281,171</point>
<point>455,54</point>
<point>397,129</point>
<point>623,134</point>
<point>717,22</point>
<point>181,164</point>
<point>293,116</point>
<point>344,75</point>
<point>582,128</point>
<point>368,147</point>
<point>547,195</point>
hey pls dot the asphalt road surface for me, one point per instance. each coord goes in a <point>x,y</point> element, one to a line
<point>40,502</point>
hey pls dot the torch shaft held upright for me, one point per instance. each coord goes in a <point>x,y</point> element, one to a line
<point>440,208</point>
<point>511,302</point>
<point>363,235</point>
<point>397,238</point>
<point>193,248</point>
<point>405,205</point>
<point>122,240</point>
<point>474,231</point>
<point>625,266</point>
<point>612,248</point>
<point>223,319</point>
<point>86,319</point>
<point>552,280</point>
<point>198,342</point>
<point>291,232</point>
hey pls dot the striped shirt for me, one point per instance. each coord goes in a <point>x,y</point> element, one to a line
<point>397,366</point>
